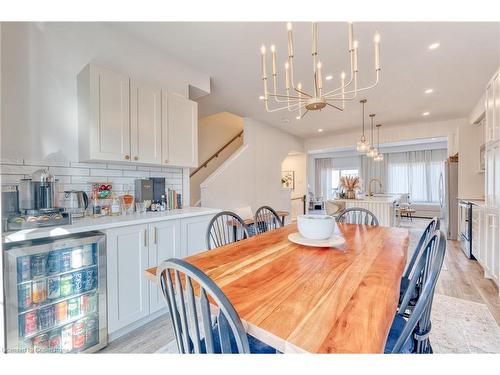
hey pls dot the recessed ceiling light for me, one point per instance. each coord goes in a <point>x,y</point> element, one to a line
<point>320,130</point>
<point>429,91</point>
<point>434,45</point>
<point>328,78</point>
<point>425,114</point>
<point>261,97</point>
<point>298,117</point>
<point>285,120</point>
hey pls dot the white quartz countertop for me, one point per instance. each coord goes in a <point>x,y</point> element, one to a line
<point>379,199</point>
<point>106,222</point>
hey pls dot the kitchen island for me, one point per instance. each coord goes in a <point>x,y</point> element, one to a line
<point>382,206</point>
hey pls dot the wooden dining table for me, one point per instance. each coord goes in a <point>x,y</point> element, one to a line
<point>310,299</point>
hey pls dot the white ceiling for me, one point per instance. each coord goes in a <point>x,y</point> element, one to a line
<point>229,52</point>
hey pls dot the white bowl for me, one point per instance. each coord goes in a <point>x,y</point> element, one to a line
<point>316,227</point>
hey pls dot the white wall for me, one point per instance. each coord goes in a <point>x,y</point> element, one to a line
<point>297,164</point>
<point>252,176</point>
<point>470,181</point>
<point>389,134</point>
<point>40,62</point>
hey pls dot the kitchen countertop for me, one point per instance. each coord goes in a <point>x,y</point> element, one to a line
<point>381,199</point>
<point>105,222</point>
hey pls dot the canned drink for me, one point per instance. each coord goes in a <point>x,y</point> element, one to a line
<point>67,338</point>
<point>41,343</point>
<point>84,303</point>
<point>61,311</point>
<point>55,341</point>
<point>77,258</point>
<point>54,287</point>
<point>88,256</point>
<point>78,282</point>
<point>54,262</point>
<point>28,323</point>
<point>46,317</point>
<point>91,331</point>
<point>73,307</point>
<point>38,264</point>
<point>90,278</point>
<point>24,295</point>
<point>39,291</point>
<point>23,269</point>
<point>65,260</point>
<point>78,334</point>
<point>66,285</point>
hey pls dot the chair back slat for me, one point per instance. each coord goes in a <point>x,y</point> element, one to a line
<point>197,287</point>
<point>433,225</point>
<point>266,219</point>
<point>224,228</point>
<point>357,215</point>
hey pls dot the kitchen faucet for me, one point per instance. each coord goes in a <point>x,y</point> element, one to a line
<point>370,193</point>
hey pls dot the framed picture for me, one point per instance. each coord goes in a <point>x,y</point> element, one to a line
<point>288,179</point>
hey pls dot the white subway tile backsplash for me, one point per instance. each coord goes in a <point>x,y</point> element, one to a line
<point>106,172</point>
<point>87,179</point>
<point>129,167</point>
<point>137,174</point>
<point>11,161</point>
<point>87,165</point>
<point>46,163</point>
<point>69,171</point>
<point>18,169</point>
<point>11,178</point>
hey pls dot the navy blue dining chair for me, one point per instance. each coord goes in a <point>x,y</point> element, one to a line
<point>204,320</point>
<point>411,335</point>
<point>357,215</point>
<point>433,225</point>
<point>224,228</point>
<point>266,219</point>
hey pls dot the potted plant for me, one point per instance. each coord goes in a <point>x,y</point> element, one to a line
<point>350,184</point>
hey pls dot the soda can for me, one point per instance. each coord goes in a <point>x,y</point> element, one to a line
<point>55,341</point>
<point>73,307</point>
<point>77,281</point>
<point>27,323</point>
<point>77,258</point>
<point>54,287</point>
<point>23,269</point>
<point>24,295</point>
<point>67,338</point>
<point>54,262</point>
<point>46,317</point>
<point>38,264</point>
<point>61,311</point>
<point>41,343</point>
<point>88,256</point>
<point>66,285</point>
<point>91,331</point>
<point>84,303</point>
<point>90,278</point>
<point>39,291</point>
<point>78,334</point>
<point>65,260</point>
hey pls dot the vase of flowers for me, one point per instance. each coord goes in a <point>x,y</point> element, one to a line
<point>350,184</point>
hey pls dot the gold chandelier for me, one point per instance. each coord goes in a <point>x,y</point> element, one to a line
<point>297,99</point>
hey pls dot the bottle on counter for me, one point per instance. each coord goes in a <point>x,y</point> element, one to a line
<point>163,203</point>
<point>115,205</point>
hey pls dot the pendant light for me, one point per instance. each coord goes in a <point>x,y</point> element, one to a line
<point>372,151</point>
<point>363,145</point>
<point>379,156</point>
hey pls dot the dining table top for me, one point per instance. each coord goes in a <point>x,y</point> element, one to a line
<point>298,298</point>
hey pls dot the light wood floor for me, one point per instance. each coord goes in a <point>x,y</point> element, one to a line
<point>460,278</point>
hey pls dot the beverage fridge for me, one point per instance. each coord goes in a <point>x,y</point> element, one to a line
<point>55,294</point>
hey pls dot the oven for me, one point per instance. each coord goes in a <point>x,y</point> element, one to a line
<point>465,227</point>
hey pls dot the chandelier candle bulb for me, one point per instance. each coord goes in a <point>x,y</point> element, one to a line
<point>273,51</point>
<point>290,39</point>
<point>287,75</point>
<point>263,54</point>
<point>351,36</point>
<point>318,75</point>
<point>355,45</point>
<point>315,38</point>
<point>376,42</point>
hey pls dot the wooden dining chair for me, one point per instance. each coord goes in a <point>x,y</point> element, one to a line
<point>433,225</point>
<point>266,219</point>
<point>204,319</point>
<point>357,215</point>
<point>411,335</point>
<point>224,228</point>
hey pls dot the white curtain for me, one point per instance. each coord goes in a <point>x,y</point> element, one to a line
<point>373,169</point>
<point>416,173</point>
<point>323,183</point>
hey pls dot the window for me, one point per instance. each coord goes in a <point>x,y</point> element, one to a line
<point>337,173</point>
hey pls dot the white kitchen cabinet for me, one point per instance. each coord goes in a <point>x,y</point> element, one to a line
<point>103,115</point>
<point>145,123</point>
<point>128,290</point>
<point>477,228</point>
<point>493,109</point>
<point>193,235</point>
<point>164,243</point>
<point>180,132</point>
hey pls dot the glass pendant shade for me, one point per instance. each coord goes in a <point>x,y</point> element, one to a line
<point>379,157</point>
<point>363,145</point>
<point>372,152</point>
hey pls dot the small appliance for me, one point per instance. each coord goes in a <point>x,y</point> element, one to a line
<point>144,192</point>
<point>78,202</point>
<point>158,188</point>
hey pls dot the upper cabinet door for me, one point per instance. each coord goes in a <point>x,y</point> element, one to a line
<point>490,92</point>
<point>145,123</point>
<point>181,147</point>
<point>496,112</point>
<point>103,115</point>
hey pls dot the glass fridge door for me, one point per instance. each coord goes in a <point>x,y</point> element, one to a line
<point>56,295</point>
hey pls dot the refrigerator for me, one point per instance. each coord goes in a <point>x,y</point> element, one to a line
<point>55,294</point>
<point>448,199</point>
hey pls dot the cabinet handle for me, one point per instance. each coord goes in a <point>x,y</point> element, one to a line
<point>146,238</point>
<point>156,235</point>
<point>136,157</point>
<point>127,157</point>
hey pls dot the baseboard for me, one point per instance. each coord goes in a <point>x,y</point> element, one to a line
<point>123,331</point>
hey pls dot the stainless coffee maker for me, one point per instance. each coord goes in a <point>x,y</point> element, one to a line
<point>38,192</point>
